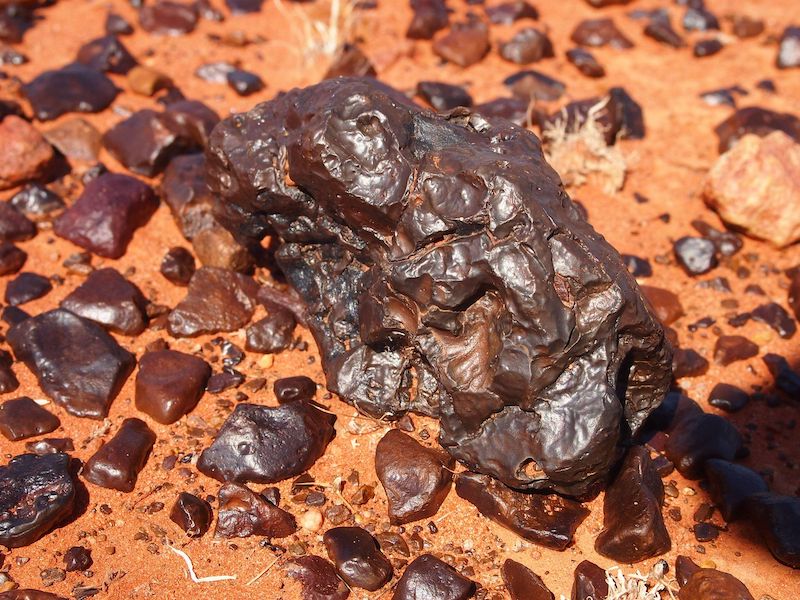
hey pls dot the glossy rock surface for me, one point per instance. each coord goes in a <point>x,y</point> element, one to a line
<point>428,578</point>
<point>107,298</point>
<point>318,578</point>
<point>169,384</point>
<point>524,584</point>
<point>358,559</point>
<point>73,88</point>
<point>243,513</point>
<point>22,418</point>
<point>424,302</point>
<point>117,463</point>
<point>192,514</point>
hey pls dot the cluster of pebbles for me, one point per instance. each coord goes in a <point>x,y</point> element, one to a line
<point>414,299</point>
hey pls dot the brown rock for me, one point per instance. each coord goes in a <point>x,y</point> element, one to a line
<point>146,81</point>
<point>243,513</point>
<point>590,582</point>
<point>465,44</point>
<point>427,577</point>
<point>524,584</point>
<point>665,304</point>
<point>710,584</point>
<point>76,139</point>
<point>169,384</point>
<point>749,186</point>
<point>216,247</point>
<point>732,348</point>
<point>24,153</point>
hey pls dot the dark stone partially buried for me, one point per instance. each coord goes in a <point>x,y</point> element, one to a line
<point>73,88</point>
<point>427,577</point>
<point>77,363</point>
<point>494,305</point>
<point>777,519</point>
<point>116,465</point>
<point>192,514</point>
<point>22,418</point>
<point>357,557</point>
<point>36,494</point>
<point>318,578</point>
<point>524,584</point>
<point>267,444</point>
<point>546,519</point>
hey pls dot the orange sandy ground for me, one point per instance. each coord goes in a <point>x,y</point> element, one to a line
<point>668,167</point>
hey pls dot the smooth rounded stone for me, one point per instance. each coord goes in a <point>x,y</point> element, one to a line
<point>37,202</point>
<point>216,247</point>
<point>294,389</point>
<point>727,243</point>
<point>733,348</point>
<point>600,32</point>
<point>72,88</point>
<point>789,49</point>
<point>118,462</point>
<point>77,139</point>
<point>728,397</point>
<point>77,364</point>
<point>704,48</point>
<point>168,18</point>
<point>528,46</point>
<point>730,485</point>
<point>774,315</point>
<point>585,62</point>
<point>110,300</point>
<point>178,266</point>
<point>217,300</point>
<point>777,519</point>
<point>522,583</point>
<point>77,558</point>
<point>317,577</point>
<point>12,258</point>
<point>192,120</point>
<point>105,216</point>
<point>443,96</point>
<point>192,514</point>
<point>695,255</point>
<point>685,567</point>
<point>12,315</point>
<point>697,438</point>
<point>29,594</point>
<point>416,479</point>
<point>272,334</point>
<point>786,379</point>
<point>705,532</point>
<point>465,44</point>
<point>747,185</point>
<point>699,18</point>
<point>169,384</point>
<point>145,142</point>
<point>590,582</point>
<point>744,26</point>
<point>428,578</point>
<point>244,83</point>
<point>548,520</point>
<point>36,494</point>
<point>185,191</point>
<point>243,513</point>
<point>26,287</point>
<point>50,446</point>
<point>14,226</point>
<point>756,121</point>
<point>665,304</point>
<point>350,61</point>
<point>357,557</point>
<point>511,109</point>
<point>25,154</point>
<point>533,85</point>
<point>146,81</point>
<point>429,17</point>
<point>510,12</point>
<point>710,584</point>
<point>633,527</point>
<point>106,54</point>
<point>265,444</point>
<point>473,337</point>
<point>117,25</point>
<point>22,418</point>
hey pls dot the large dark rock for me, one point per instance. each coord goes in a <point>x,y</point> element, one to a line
<point>77,363</point>
<point>358,559</point>
<point>169,384</point>
<point>116,465</point>
<point>107,298</point>
<point>36,494</point>
<point>22,418</point>
<point>267,444</point>
<point>777,519</point>
<point>428,578</point>
<point>524,584</point>
<point>546,519</point>
<point>710,584</point>
<point>73,88</point>
<point>522,328</point>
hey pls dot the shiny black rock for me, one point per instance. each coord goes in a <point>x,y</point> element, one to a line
<point>426,263</point>
<point>428,578</point>
<point>36,494</point>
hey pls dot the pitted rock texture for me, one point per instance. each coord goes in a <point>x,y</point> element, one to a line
<point>441,250</point>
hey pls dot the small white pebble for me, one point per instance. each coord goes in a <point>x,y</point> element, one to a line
<point>41,401</point>
<point>467,545</point>
<point>311,520</point>
<point>266,361</point>
<point>687,491</point>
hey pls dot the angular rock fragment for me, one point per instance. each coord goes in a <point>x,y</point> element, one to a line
<point>665,304</point>
<point>169,384</point>
<point>116,465</point>
<point>185,191</point>
<point>705,584</point>
<point>585,62</point>
<point>104,218</point>
<point>192,120</point>
<point>509,12</point>
<point>511,109</point>
<point>777,519</point>
<point>730,485</point>
<point>243,513</point>
<point>524,584</point>
<point>272,334</point>
<point>600,32</point>
<point>774,315</point>
<point>36,494</point>
<point>756,121</point>
<point>168,18</point>
<point>695,255</point>
<point>546,519</point>
<point>146,81</point>
<point>73,88</point>
<point>443,96</point>
<point>26,287</point>
<point>14,226</point>
<point>178,266</point>
<point>318,578</point>
<point>117,25</point>
<point>696,438</point>
<point>244,82</point>
<point>106,54</point>
<point>358,559</point>
<point>266,444</point>
<point>705,48</point>
<point>528,46</point>
<point>37,202</point>
<point>76,139</point>
<point>416,479</point>
<point>50,446</point>
<point>216,247</point>
<point>350,62</point>
<point>465,44</point>
<point>633,528</point>
<point>660,29</point>
<point>429,17</point>
<point>217,300</point>
<point>733,348</point>
<point>22,418</point>
<point>192,514</point>
<point>24,153</point>
<point>747,185</point>
<point>107,298</point>
<point>529,85</point>
<point>786,379</point>
<point>590,582</point>
<point>77,363</point>
<point>438,580</point>
<point>12,258</point>
<point>475,339</point>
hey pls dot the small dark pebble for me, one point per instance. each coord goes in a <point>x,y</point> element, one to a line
<point>12,258</point>
<point>26,287</point>
<point>178,266</point>
<point>293,389</point>
<point>106,54</point>
<point>169,384</point>
<point>774,315</point>
<point>224,380</point>
<point>117,25</point>
<point>110,300</point>
<point>527,46</point>
<point>37,202</point>
<point>585,62</point>
<point>429,17</point>
<point>660,29</point>
<point>77,558</point>
<point>522,583</point>
<point>73,88</point>
<point>732,348</point>
<point>243,82</point>
<point>168,18</point>
<point>747,27</point>
<point>705,532</point>
<point>437,578</point>
<point>728,397</point>
<point>786,379</point>
<point>192,514</point>
<point>467,43</point>
<point>509,12</point>
<point>600,32</point>
<point>705,48</point>
<point>637,266</point>
<point>50,446</point>
<point>357,557</point>
<point>272,334</point>
<point>443,96</point>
